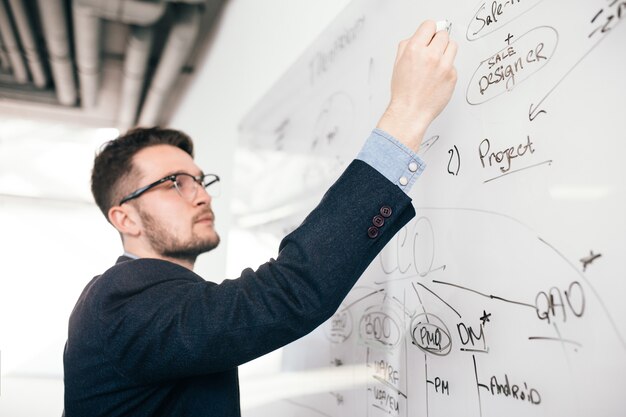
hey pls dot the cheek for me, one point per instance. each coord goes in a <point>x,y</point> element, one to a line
<point>177,223</point>
<point>170,216</point>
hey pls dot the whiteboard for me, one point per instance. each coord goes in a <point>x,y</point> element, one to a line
<point>505,295</point>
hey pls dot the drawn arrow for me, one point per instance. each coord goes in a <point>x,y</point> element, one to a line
<point>532,112</point>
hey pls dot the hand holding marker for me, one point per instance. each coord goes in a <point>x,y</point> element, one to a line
<point>444,25</point>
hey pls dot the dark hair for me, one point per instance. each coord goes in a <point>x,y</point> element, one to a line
<point>111,177</point>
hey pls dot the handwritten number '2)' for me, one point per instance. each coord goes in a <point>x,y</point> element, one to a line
<point>453,161</point>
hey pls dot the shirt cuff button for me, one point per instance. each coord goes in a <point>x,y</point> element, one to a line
<point>403,181</point>
<point>413,166</point>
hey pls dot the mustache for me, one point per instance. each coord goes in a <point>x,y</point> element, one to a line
<point>203,215</point>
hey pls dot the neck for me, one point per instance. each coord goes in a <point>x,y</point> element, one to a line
<point>185,263</point>
<point>143,253</point>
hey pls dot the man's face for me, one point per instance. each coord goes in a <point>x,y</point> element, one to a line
<point>172,226</point>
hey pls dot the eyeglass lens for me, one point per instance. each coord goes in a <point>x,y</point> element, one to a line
<point>187,186</point>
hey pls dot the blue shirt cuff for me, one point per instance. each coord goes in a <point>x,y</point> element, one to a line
<point>392,159</point>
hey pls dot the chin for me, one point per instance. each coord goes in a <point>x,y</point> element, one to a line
<point>211,242</point>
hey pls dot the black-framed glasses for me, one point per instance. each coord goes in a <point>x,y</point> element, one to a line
<point>185,184</point>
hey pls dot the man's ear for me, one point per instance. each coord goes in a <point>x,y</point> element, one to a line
<point>125,220</point>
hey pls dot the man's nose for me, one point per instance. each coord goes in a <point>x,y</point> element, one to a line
<point>202,196</point>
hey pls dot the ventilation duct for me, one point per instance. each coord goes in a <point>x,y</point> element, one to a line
<point>163,30</point>
<point>88,33</point>
<point>54,24</point>
<point>135,67</point>
<point>29,44</point>
<point>12,47</point>
<point>180,41</point>
<point>4,58</point>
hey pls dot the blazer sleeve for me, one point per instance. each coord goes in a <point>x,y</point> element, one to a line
<point>180,327</point>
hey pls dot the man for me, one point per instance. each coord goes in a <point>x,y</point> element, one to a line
<point>151,338</point>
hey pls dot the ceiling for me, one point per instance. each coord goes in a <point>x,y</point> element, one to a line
<point>116,63</point>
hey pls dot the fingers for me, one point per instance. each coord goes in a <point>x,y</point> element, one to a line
<point>449,54</point>
<point>427,36</point>
<point>439,42</point>
<point>422,83</point>
<point>424,33</point>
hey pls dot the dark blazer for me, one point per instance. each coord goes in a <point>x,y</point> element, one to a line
<point>151,338</point>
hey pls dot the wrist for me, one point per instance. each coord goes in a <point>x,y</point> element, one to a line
<point>409,131</point>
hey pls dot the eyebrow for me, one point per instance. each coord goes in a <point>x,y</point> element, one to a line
<point>181,172</point>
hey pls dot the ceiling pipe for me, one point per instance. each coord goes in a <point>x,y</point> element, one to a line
<point>178,46</point>
<point>54,23</point>
<point>135,67</point>
<point>20,74</point>
<point>87,36</point>
<point>136,12</point>
<point>29,44</point>
<point>5,64</point>
<point>88,15</point>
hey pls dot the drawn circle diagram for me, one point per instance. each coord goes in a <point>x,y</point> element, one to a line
<point>507,68</point>
<point>330,134</point>
<point>379,327</point>
<point>430,334</point>
<point>339,328</point>
<point>423,246</point>
<point>507,292</point>
<point>513,266</point>
<point>494,15</point>
<point>333,123</point>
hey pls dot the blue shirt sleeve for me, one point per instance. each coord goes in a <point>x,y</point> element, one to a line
<point>392,159</point>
